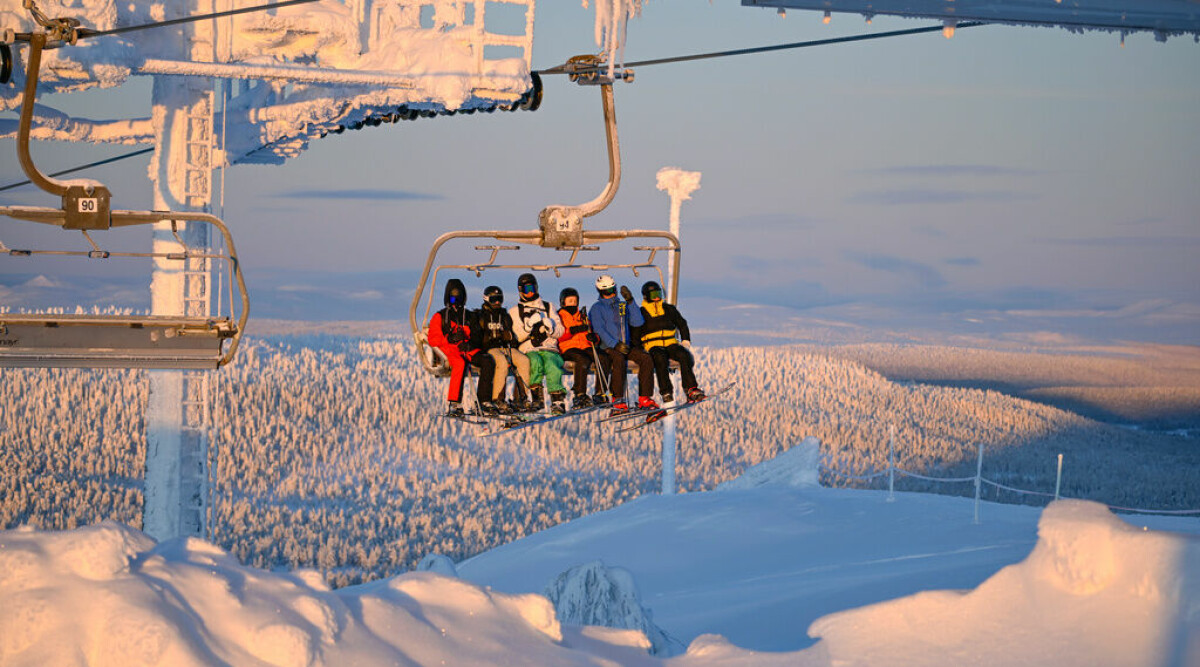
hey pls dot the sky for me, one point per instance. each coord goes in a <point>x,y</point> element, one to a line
<point>1006,179</point>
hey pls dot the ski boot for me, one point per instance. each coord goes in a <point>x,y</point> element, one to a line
<point>581,401</point>
<point>489,408</point>
<point>667,398</point>
<point>695,394</point>
<point>558,402</point>
<point>645,402</point>
<point>600,399</point>
<point>455,409</point>
<point>619,407</point>
<point>536,402</point>
<point>502,407</point>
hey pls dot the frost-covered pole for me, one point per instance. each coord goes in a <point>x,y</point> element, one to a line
<point>679,185</point>
<point>978,480</point>
<point>891,464</point>
<point>176,438</point>
<point>1058,478</point>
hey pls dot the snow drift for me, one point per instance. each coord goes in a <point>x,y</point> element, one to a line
<point>1094,591</point>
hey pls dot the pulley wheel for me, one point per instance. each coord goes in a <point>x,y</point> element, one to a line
<point>6,63</point>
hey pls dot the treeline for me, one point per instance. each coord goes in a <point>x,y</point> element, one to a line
<point>329,451</point>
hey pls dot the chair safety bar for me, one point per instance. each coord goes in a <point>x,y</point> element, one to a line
<point>435,362</point>
<point>124,341</point>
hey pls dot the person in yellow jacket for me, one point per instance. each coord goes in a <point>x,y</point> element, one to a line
<point>665,336</point>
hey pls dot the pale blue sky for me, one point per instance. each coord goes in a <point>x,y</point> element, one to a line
<point>1023,174</point>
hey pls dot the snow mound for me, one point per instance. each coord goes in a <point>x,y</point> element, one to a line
<point>110,593</point>
<point>798,466</point>
<point>439,564</point>
<point>595,594</point>
<point>1094,591</point>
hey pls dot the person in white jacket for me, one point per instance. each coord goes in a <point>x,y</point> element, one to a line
<point>537,328</point>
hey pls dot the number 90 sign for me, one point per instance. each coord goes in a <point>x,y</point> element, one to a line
<point>89,205</point>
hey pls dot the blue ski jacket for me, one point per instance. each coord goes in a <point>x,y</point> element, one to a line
<point>608,323</point>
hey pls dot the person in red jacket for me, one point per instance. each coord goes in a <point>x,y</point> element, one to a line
<point>575,344</point>
<point>455,331</point>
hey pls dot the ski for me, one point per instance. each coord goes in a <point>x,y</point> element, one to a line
<point>512,423</point>
<point>657,415</point>
<point>477,420</point>
<point>631,413</point>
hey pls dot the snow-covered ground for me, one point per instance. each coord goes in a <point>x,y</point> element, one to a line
<point>764,575</point>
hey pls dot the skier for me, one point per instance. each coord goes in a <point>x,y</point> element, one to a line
<point>500,342</point>
<point>577,347</point>
<point>455,331</point>
<point>665,336</point>
<point>537,327</point>
<point>611,319</point>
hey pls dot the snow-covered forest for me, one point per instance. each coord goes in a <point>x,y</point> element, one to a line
<point>330,453</point>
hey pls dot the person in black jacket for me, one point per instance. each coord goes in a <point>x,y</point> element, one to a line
<point>500,342</point>
<point>665,336</point>
<point>455,331</point>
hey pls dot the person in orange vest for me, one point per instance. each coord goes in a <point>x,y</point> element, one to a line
<point>665,336</point>
<point>575,345</point>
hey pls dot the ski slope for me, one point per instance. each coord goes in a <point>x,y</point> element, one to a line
<point>769,574</point>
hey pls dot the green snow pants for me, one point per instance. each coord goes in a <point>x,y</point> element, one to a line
<point>548,364</point>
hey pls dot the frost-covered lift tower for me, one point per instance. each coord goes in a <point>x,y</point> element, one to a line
<point>249,86</point>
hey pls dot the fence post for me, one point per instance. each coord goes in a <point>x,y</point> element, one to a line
<point>978,480</point>
<point>892,464</point>
<point>1058,478</point>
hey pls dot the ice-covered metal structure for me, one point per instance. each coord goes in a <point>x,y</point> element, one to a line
<point>253,87</point>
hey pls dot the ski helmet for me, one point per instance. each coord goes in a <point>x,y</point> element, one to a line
<point>527,287</point>
<point>605,283</point>
<point>652,287</point>
<point>493,295</point>
<point>568,292</point>
<point>456,293</point>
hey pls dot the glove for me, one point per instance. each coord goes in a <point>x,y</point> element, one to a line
<point>456,336</point>
<point>622,348</point>
<point>579,328</point>
<point>538,334</point>
<point>626,294</point>
<point>687,344</point>
<point>593,338</point>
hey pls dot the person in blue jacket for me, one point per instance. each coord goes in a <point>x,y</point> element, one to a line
<point>611,321</point>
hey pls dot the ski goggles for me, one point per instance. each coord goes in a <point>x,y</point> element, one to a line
<point>454,299</point>
<point>654,294</point>
<point>496,300</point>
<point>529,289</point>
<point>609,291</point>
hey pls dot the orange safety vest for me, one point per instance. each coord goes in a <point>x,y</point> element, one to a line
<point>571,341</point>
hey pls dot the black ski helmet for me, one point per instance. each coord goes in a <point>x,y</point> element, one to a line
<point>566,292</point>
<point>524,280</point>
<point>456,291</point>
<point>651,286</point>
<point>491,291</point>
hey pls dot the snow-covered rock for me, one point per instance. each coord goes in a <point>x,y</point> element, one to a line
<point>438,563</point>
<point>595,594</point>
<point>798,466</point>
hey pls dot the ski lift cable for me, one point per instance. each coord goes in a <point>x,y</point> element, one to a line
<point>560,69</point>
<point>87,32</point>
<point>72,170</point>
<point>566,69</point>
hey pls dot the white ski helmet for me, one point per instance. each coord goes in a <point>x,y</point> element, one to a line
<point>605,282</point>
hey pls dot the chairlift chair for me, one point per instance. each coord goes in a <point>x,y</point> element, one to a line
<point>105,340</point>
<point>560,228</point>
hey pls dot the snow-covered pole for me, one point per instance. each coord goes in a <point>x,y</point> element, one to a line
<point>679,185</point>
<point>978,480</point>
<point>1058,478</point>
<point>891,464</point>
